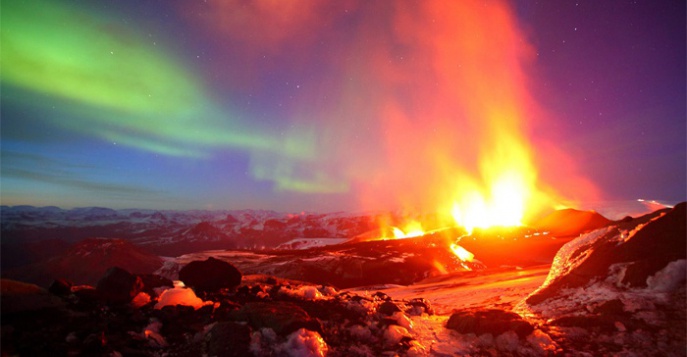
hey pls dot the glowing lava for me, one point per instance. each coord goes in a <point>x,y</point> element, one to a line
<point>507,191</point>
<point>503,205</point>
<point>462,253</point>
<point>411,229</point>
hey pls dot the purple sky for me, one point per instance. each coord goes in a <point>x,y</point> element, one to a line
<point>346,105</point>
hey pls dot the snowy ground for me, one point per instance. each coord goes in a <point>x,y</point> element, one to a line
<point>486,289</point>
<point>481,290</point>
<point>616,291</point>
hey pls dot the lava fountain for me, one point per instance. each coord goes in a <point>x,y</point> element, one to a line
<point>450,83</point>
<point>449,86</point>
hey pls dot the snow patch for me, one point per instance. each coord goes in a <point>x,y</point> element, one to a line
<point>307,243</point>
<point>304,343</point>
<point>507,341</point>
<point>402,320</point>
<point>300,343</point>
<point>152,334</point>
<point>305,292</point>
<point>180,296</point>
<point>394,334</point>
<point>542,343</point>
<point>360,332</point>
<point>566,259</point>
<point>616,274</point>
<point>261,340</point>
<point>669,278</point>
<point>140,300</point>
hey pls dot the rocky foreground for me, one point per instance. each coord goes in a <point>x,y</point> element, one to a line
<point>618,290</point>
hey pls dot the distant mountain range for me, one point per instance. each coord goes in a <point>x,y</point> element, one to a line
<point>26,229</point>
<point>31,234</point>
<point>42,243</point>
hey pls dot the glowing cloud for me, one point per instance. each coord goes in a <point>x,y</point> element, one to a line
<point>443,88</point>
<point>418,104</point>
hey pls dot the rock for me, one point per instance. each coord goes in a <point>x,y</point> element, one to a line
<point>663,238</point>
<point>282,317</point>
<point>388,308</point>
<point>600,323</point>
<point>86,296</point>
<point>243,291</point>
<point>418,306</point>
<point>118,286</point>
<point>152,281</point>
<point>610,307</point>
<point>626,219</point>
<point>228,339</point>
<point>381,296</point>
<point>490,321</point>
<point>225,309</point>
<point>210,275</point>
<point>94,344</point>
<point>19,297</point>
<point>61,287</point>
<point>571,222</point>
<point>178,322</point>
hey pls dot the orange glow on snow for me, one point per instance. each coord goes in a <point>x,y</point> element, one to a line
<point>180,295</point>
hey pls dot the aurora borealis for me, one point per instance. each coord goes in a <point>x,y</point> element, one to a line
<point>341,105</point>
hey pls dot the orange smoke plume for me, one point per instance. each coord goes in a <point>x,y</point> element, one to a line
<point>453,97</point>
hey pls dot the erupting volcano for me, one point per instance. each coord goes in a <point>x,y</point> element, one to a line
<point>343,178</point>
<point>454,97</point>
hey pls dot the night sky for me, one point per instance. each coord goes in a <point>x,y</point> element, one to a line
<point>338,105</point>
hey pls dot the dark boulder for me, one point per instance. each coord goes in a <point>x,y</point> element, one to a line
<point>118,286</point>
<point>228,339</point>
<point>20,297</point>
<point>418,306</point>
<point>282,317</point>
<point>490,321</point>
<point>610,307</point>
<point>152,281</point>
<point>210,275</point>
<point>61,287</point>
<point>591,322</point>
<point>388,308</point>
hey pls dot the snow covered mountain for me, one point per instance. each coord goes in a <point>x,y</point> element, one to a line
<point>170,233</point>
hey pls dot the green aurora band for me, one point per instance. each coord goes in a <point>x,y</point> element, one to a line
<point>98,78</point>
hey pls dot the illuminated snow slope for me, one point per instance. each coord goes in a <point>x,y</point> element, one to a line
<point>616,290</point>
